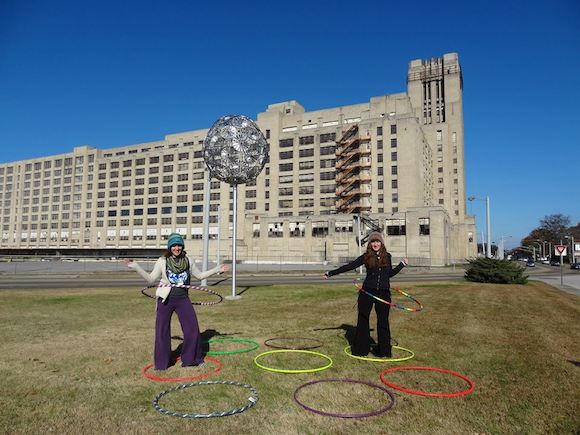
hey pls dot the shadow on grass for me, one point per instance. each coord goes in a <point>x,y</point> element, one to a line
<point>349,331</point>
<point>576,363</point>
<point>206,335</point>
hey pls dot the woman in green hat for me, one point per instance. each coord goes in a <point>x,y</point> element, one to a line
<point>175,267</point>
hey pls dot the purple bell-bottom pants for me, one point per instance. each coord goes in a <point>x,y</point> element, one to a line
<point>191,351</point>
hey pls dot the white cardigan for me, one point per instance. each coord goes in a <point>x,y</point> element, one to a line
<point>159,272</point>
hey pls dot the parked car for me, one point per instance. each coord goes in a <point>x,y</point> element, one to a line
<point>575,265</point>
<point>554,262</point>
<point>530,263</point>
<point>545,261</point>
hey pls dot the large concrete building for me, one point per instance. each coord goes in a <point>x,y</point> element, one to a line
<point>395,162</point>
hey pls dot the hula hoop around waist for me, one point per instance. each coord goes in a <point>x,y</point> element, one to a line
<point>359,287</point>
<point>192,287</point>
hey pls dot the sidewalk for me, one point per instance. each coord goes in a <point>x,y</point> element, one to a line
<point>571,282</point>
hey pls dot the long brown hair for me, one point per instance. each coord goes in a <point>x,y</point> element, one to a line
<point>372,260</point>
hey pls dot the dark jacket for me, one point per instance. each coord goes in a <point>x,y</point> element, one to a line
<point>377,277</point>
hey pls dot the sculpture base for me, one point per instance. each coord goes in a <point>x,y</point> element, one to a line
<point>233,298</point>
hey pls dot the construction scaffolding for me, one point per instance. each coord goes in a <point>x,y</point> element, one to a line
<point>353,176</point>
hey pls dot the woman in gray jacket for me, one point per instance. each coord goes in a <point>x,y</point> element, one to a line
<point>175,268</point>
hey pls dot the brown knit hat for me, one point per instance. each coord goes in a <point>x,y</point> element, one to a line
<point>375,235</point>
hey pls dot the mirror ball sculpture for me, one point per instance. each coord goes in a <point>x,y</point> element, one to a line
<point>235,150</point>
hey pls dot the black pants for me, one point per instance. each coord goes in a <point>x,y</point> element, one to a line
<point>362,340</point>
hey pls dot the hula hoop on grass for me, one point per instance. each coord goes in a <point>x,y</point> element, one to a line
<point>470,388</point>
<point>192,287</point>
<point>358,285</point>
<point>189,378</point>
<point>332,414</point>
<point>368,358</point>
<point>251,400</point>
<point>309,352</point>
<point>232,352</point>
<point>269,341</point>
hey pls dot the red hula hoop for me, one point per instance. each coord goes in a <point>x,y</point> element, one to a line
<point>422,393</point>
<point>189,378</point>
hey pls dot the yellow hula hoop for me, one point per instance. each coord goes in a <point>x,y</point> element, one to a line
<point>366,358</point>
<point>271,369</point>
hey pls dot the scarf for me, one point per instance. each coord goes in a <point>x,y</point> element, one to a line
<point>177,265</point>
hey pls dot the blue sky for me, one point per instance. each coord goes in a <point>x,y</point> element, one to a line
<point>111,73</point>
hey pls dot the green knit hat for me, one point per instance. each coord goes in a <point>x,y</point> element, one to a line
<point>174,239</point>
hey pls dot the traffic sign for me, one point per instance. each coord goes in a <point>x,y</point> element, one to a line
<point>560,250</point>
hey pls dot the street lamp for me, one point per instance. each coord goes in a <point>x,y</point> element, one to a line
<point>500,253</point>
<point>542,244</point>
<point>571,256</point>
<point>488,223</point>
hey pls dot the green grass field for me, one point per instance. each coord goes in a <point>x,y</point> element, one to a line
<point>71,362</point>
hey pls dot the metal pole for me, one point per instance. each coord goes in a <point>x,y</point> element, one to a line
<point>488,227</point>
<point>218,257</point>
<point>234,243</point>
<point>360,271</point>
<point>205,255</point>
<point>561,267</point>
<point>573,255</point>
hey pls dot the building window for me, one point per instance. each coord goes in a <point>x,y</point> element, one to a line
<point>306,140</point>
<point>380,144</point>
<point>286,155</point>
<point>396,227</point>
<point>324,151</point>
<point>343,227</point>
<point>297,229</point>
<point>286,142</point>
<point>423,226</point>
<point>276,229</point>
<point>393,170</point>
<point>394,129</point>
<point>394,143</point>
<point>327,137</point>
<point>319,229</point>
<point>379,131</point>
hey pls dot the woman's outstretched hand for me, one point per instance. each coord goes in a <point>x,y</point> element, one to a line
<point>325,276</point>
<point>224,268</point>
<point>129,263</point>
<point>405,261</point>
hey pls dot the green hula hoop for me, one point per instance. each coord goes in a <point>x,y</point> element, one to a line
<point>271,369</point>
<point>366,358</point>
<point>254,346</point>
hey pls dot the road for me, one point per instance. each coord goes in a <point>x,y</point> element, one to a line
<point>34,275</point>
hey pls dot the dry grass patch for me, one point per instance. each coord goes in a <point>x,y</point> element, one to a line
<point>72,359</point>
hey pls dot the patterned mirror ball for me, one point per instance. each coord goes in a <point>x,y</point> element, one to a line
<point>235,150</point>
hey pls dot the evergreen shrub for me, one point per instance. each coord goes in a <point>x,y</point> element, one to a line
<point>495,271</point>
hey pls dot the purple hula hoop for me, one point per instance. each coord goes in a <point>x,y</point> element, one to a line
<point>353,381</point>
